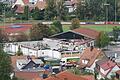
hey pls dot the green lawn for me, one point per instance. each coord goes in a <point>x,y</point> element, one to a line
<point>106,28</point>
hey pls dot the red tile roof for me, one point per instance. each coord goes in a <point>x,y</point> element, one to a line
<point>20,9</point>
<point>25,1</point>
<point>27,75</point>
<point>65,75</point>
<point>88,32</point>
<point>74,1</point>
<point>108,65</point>
<point>38,79</point>
<point>89,77</point>
<point>40,4</point>
<point>118,72</point>
<point>89,55</point>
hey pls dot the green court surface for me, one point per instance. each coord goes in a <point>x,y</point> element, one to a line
<point>106,28</point>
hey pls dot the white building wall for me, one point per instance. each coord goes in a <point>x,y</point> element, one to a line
<point>103,71</point>
<point>112,72</point>
<point>93,66</point>
<point>33,1</point>
<point>27,51</point>
<point>19,65</point>
<point>14,48</point>
<point>50,53</point>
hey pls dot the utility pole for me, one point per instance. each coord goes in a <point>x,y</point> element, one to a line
<point>106,20</point>
<point>4,15</point>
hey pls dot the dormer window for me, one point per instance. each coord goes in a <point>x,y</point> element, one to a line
<point>85,61</point>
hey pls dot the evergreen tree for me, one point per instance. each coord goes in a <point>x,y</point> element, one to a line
<point>26,13</point>
<point>5,65</point>
<point>56,10</point>
<point>58,25</point>
<point>38,14</point>
<point>50,11</point>
<point>62,10</point>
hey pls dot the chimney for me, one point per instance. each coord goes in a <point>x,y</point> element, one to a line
<point>29,58</point>
<point>108,64</point>
<point>115,55</point>
<point>45,76</point>
<point>91,48</point>
<point>109,57</point>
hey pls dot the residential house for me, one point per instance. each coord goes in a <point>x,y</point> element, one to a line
<point>15,58</point>
<point>20,2</point>
<point>89,57</point>
<point>118,74</point>
<point>27,69</point>
<point>29,64</point>
<point>71,5</point>
<point>33,1</point>
<point>106,68</point>
<point>40,4</point>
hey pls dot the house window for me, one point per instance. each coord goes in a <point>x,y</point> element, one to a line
<point>88,44</point>
<point>85,61</point>
<point>97,66</point>
<point>117,76</point>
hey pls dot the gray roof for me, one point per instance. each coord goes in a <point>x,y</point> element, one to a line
<point>25,61</point>
<point>112,53</point>
<point>99,62</point>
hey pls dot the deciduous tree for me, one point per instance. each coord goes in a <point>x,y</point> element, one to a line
<point>3,36</point>
<point>39,31</point>
<point>103,40</point>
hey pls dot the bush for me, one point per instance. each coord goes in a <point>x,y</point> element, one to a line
<point>75,23</point>
<point>58,26</point>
